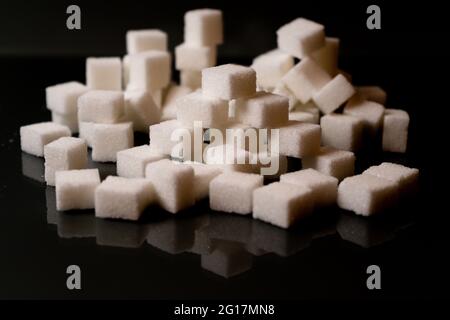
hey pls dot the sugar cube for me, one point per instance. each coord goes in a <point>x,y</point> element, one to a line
<point>263,110</point>
<point>230,157</point>
<point>233,192</point>
<point>229,81</point>
<point>68,120</point>
<point>123,198</point>
<point>366,194</point>
<point>104,73</point>
<point>282,204</point>
<point>87,132</point>
<point>333,94</point>
<point>323,187</point>
<point>332,162</point>
<point>341,131</point>
<point>270,67</point>
<point>131,162</point>
<point>373,93</point>
<point>203,27</point>
<point>309,107</point>
<point>371,113</point>
<point>191,79</point>
<point>299,139</point>
<point>282,90</point>
<point>189,57</point>
<point>108,139</point>
<point>305,79</point>
<point>301,37</point>
<point>395,130</point>
<point>173,183</point>
<point>62,98</point>
<point>141,110</point>
<point>145,40</point>
<point>327,56</point>
<point>126,71</point>
<point>150,70</point>
<point>303,116</point>
<point>203,174</point>
<point>65,153</point>
<point>101,106</point>
<point>166,135</point>
<point>75,189</point>
<point>169,107</point>
<point>34,137</point>
<point>195,106</point>
<point>406,178</point>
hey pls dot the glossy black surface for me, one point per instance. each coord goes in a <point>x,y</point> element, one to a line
<point>203,254</point>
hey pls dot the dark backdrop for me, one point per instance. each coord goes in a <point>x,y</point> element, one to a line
<point>39,27</point>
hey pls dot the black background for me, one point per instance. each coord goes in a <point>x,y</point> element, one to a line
<point>408,57</point>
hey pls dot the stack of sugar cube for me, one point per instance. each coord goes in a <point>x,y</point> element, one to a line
<point>203,32</point>
<point>101,115</point>
<point>202,132</point>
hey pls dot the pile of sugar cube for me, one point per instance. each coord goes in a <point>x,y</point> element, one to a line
<point>295,91</point>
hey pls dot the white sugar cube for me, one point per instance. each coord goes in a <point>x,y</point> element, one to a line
<point>75,189</point>
<point>65,153</point>
<point>191,79</point>
<point>101,106</point>
<point>341,131</point>
<point>173,183</point>
<point>150,70</point>
<point>68,120</point>
<point>141,109</point>
<point>87,132</point>
<point>145,40</point>
<point>270,67</point>
<point>323,187</point>
<point>169,107</point>
<point>301,37</point>
<point>263,110</point>
<point>126,71</point>
<point>282,204</point>
<point>195,106</point>
<point>34,137</point>
<point>108,139</point>
<point>165,136</point>
<point>305,79</point>
<point>189,57</point>
<point>395,130</point>
<point>371,113</point>
<point>406,178</point>
<point>203,174</point>
<point>123,198</point>
<point>104,73</point>
<point>309,107</point>
<point>327,56</point>
<point>282,90</point>
<point>332,162</point>
<point>333,94</point>
<point>131,162</point>
<point>230,157</point>
<point>203,27</point>
<point>373,93</point>
<point>233,192</point>
<point>62,98</point>
<point>366,194</point>
<point>303,116</point>
<point>298,139</point>
<point>229,81</point>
